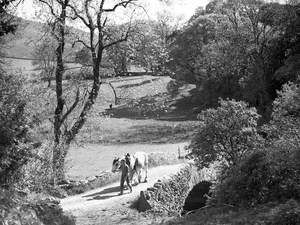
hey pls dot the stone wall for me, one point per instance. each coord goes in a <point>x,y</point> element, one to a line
<point>169,196</point>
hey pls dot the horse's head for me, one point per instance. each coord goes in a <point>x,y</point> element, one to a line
<point>116,165</point>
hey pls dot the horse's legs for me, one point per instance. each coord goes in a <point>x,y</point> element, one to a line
<point>139,175</point>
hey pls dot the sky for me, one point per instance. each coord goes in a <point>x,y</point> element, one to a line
<point>183,9</point>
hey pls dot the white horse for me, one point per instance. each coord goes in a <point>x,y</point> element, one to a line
<point>136,163</point>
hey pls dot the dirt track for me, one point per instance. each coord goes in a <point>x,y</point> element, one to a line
<point>103,206</point>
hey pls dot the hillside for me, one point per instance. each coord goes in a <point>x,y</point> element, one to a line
<point>22,43</point>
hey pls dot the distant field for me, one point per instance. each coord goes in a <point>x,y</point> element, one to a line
<point>25,66</point>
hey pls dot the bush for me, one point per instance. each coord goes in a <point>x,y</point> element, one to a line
<point>285,214</point>
<point>37,173</point>
<point>264,176</point>
<point>87,73</point>
<point>228,133</point>
<point>50,213</point>
<point>273,173</point>
<point>14,126</point>
<point>173,87</point>
<point>18,208</point>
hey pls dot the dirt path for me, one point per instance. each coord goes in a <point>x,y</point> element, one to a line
<point>103,206</point>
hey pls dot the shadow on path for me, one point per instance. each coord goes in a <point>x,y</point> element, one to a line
<point>104,191</point>
<point>99,197</point>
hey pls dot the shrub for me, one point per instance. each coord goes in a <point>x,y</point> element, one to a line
<point>50,213</point>
<point>14,126</point>
<point>264,176</point>
<point>228,133</point>
<point>86,73</point>
<point>285,214</point>
<point>18,208</point>
<point>173,87</point>
<point>273,173</point>
<point>37,173</point>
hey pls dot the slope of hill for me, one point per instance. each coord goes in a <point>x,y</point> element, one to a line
<point>28,34</point>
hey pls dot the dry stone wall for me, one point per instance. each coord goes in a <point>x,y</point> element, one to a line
<point>169,196</point>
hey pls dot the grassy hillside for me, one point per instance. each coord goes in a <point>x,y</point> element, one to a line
<point>105,128</point>
<point>22,43</point>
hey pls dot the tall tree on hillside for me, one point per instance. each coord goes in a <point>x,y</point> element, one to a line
<point>93,15</point>
<point>58,10</point>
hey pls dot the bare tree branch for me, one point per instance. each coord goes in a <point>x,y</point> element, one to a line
<point>82,42</point>
<point>72,107</point>
<point>77,15</point>
<point>51,7</point>
<point>122,3</point>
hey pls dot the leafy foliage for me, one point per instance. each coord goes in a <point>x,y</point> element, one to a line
<point>228,134</point>
<point>83,57</point>
<point>14,127</point>
<point>238,49</point>
<point>285,214</point>
<point>146,47</point>
<point>17,208</point>
<point>7,23</point>
<point>261,178</point>
<point>271,174</point>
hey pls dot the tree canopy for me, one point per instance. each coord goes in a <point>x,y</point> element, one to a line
<point>238,49</point>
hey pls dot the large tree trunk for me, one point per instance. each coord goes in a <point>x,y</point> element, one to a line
<point>63,141</point>
<point>59,149</point>
<point>59,155</point>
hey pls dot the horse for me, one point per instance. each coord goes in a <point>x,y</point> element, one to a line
<point>136,163</point>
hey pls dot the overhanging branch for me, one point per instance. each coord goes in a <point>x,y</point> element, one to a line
<point>64,117</point>
<point>122,4</point>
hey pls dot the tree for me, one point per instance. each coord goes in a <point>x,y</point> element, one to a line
<point>186,48</point>
<point>93,15</point>
<point>119,56</point>
<point>228,133</point>
<point>7,23</point>
<point>58,10</point>
<point>242,49</point>
<point>272,172</point>
<point>149,47</point>
<point>44,52</point>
